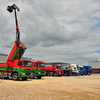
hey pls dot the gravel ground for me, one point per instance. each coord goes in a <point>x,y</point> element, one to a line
<point>52,88</point>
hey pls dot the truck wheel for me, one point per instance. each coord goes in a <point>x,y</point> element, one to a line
<point>24,78</point>
<point>49,74</point>
<point>38,77</point>
<point>55,74</point>
<point>33,76</point>
<point>15,77</point>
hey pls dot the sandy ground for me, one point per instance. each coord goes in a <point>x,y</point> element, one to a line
<point>52,88</point>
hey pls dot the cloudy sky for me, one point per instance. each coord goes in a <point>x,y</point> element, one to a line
<point>53,30</point>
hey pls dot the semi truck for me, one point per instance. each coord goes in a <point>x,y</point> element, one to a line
<point>53,70</point>
<point>38,69</point>
<point>61,69</point>
<point>82,70</point>
<point>15,67</point>
<point>75,70</point>
<point>67,70</point>
<point>88,70</point>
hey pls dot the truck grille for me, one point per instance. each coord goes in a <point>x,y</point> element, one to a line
<point>28,73</point>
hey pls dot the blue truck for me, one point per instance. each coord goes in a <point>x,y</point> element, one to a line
<point>87,70</point>
<point>82,70</point>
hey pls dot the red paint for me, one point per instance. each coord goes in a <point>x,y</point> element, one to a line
<point>38,61</point>
<point>55,68</point>
<point>14,48</point>
<point>96,70</point>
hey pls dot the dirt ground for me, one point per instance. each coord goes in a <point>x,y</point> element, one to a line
<point>52,88</point>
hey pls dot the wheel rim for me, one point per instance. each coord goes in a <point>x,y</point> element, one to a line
<point>15,77</point>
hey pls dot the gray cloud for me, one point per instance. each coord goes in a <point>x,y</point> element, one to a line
<point>56,30</point>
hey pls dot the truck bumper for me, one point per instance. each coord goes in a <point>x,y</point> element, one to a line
<point>29,74</point>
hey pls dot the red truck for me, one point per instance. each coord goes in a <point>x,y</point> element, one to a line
<point>62,70</point>
<point>54,70</point>
<point>15,67</point>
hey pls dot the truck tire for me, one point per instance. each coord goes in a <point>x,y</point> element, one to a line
<point>38,77</point>
<point>55,74</point>
<point>49,74</point>
<point>33,76</point>
<point>24,78</point>
<point>15,77</point>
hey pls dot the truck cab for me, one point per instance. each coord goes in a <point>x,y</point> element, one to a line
<point>82,70</point>
<point>67,70</point>
<point>38,69</point>
<point>17,69</point>
<point>88,70</point>
<point>61,70</point>
<point>75,70</point>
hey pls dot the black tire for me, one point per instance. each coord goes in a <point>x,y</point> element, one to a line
<point>24,78</point>
<point>49,74</point>
<point>38,77</point>
<point>15,77</point>
<point>55,74</point>
<point>33,76</point>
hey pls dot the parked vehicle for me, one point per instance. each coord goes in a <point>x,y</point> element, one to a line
<point>67,70</point>
<point>82,70</point>
<point>15,67</point>
<point>38,69</point>
<point>53,70</point>
<point>88,70</point>
<point>75,70</point>
<point>61,69</point>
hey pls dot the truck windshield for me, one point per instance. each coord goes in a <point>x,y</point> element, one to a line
<point>27,64</point>
<point>82,68</point>
<point>41,64</point>
<point>57,67</point>
<point>90,68</point>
